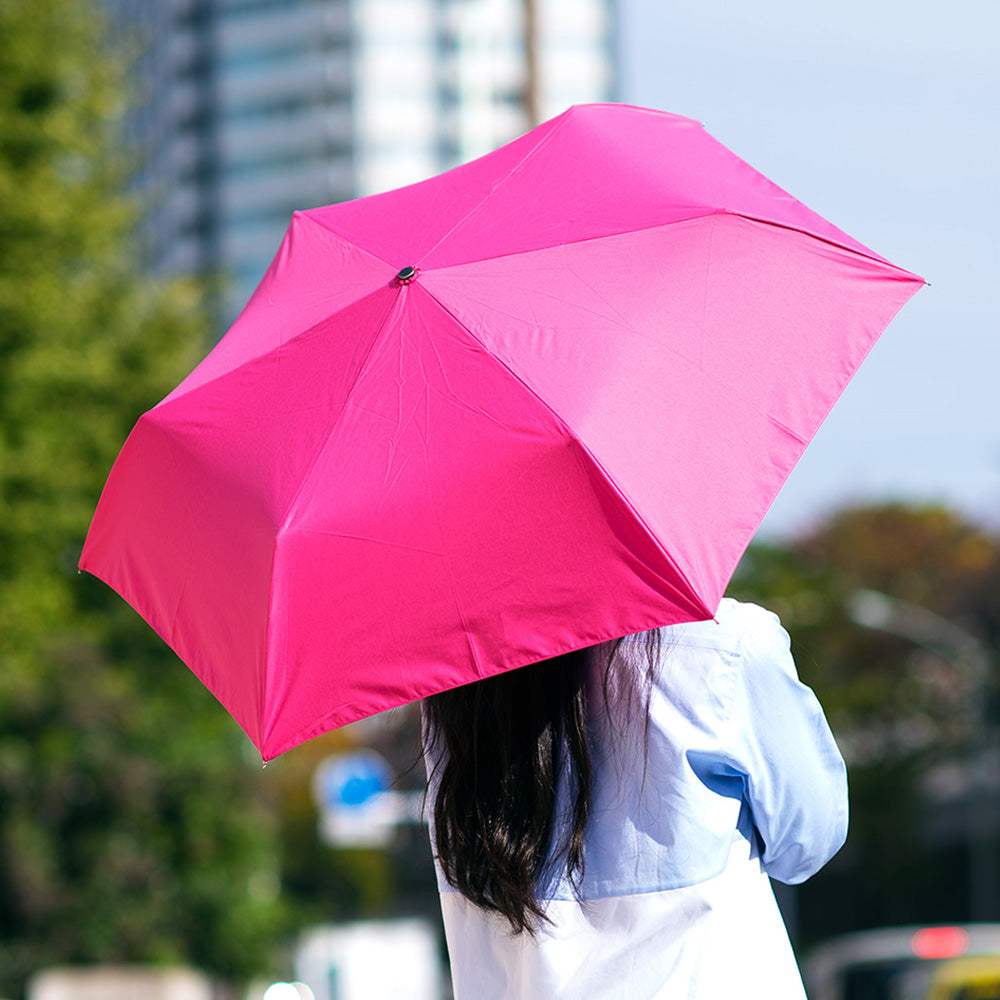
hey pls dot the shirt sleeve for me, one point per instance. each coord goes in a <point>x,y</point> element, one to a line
<point>794,775</point>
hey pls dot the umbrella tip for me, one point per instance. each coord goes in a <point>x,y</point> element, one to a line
<point>406,275</point>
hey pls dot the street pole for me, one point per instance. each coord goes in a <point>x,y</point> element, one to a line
<point>532,103</point>
<point>972,659</point>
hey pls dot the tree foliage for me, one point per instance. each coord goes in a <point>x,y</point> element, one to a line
<point>131,825</point>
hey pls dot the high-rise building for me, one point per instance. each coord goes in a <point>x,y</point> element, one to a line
<point>249,109</point>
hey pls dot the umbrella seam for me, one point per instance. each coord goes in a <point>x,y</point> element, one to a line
<point>561,122</point>
<point>573,435</point>
<point>175,395</point>
<point>506,177</point>
<point>293,502</point>
<point>289,509</point>
<point>306,214</point>
<point>713,217</point>
<point>475,208</point>
<point>860,250</point>
<point>706,212</point>
<point>168,401</point>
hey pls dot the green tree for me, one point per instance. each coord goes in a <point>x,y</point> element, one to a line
<point>886,697</point>
<point>131,819</point>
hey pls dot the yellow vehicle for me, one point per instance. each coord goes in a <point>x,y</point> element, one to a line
<point>967,979</point>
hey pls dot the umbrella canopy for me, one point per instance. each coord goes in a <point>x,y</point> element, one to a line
<point>539,401</point>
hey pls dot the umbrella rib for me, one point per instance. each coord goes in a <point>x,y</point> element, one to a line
<point>701,212</point>
<point>503,180</point>
<point>177,393</point>
<point>472,211</point>
<point>859,250</point>
<point>307,475</point>
<point>348,240</point>
<point>303,483</point>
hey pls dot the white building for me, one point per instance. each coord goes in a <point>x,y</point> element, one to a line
<point>253,108</point>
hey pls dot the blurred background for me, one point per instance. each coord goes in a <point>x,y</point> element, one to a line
<point>151,152</point>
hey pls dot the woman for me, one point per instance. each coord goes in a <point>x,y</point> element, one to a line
<point>604,823</point>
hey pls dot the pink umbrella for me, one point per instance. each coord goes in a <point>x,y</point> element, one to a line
<point>536,402</point>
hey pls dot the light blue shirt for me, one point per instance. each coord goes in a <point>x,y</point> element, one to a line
<point>736,775</point>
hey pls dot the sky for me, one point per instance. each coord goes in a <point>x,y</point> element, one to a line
<point>881,115</point>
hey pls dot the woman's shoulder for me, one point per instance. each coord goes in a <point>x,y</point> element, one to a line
<point>735,623</point>
<point>698,664</point>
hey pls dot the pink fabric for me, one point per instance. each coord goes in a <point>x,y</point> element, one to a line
<point>565,429</point>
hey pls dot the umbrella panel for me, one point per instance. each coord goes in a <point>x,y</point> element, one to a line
<point>694,361</point>
<point>594,171</point>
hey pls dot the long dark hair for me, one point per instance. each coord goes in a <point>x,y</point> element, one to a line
<point>503,745</point>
